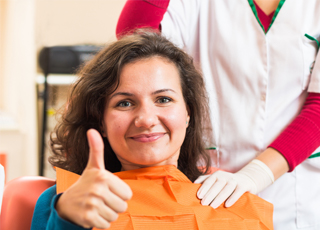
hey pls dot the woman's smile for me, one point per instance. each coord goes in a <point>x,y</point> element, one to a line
<point>145,138</point>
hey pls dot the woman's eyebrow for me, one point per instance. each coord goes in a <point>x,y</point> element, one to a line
<point>121,94</point>
<point>131,94</point>
<point>163,90</point>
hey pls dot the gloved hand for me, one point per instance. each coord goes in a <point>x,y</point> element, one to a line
<point>221,186</point>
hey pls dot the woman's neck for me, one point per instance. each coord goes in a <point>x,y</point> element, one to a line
<point>127,167</point>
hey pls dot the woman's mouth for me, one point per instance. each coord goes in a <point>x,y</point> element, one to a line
<point>150,137</point>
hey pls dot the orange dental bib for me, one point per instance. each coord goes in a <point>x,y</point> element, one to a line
<point>164,198</point>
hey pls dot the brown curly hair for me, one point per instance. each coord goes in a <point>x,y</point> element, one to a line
<point>99,78</point>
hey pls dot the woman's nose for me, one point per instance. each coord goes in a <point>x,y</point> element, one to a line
<point>145,117</point>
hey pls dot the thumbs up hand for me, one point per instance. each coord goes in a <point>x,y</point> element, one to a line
<point>98,196</point>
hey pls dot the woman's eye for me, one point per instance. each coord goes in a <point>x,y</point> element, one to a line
<point>124,104</point>
<point>164,100</point>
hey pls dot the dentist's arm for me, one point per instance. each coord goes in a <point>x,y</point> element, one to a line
<point>141,13</point>
<point>292,147</point>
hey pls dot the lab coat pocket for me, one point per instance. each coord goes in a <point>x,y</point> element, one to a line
<point>307,192</point>
<point>310,49</point>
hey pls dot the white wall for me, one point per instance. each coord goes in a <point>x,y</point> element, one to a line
<point>18,65</point>
<point>25,27</point>
<point>69,22</point>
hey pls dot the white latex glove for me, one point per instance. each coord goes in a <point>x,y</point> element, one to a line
<point>221,186</point>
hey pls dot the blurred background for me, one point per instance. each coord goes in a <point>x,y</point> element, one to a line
<point>26,27</point>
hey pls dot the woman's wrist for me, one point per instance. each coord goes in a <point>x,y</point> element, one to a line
<point>275,161</point>
<point>57,221</point>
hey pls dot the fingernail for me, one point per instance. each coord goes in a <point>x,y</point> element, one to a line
<point>214,206</point>
<point>203,202</point>
<point>228,203</point>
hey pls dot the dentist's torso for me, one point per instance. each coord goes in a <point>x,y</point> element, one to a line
<point>257,84</point>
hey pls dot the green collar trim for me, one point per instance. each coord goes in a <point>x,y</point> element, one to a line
<point>276,13</point>
<point>254,10</point>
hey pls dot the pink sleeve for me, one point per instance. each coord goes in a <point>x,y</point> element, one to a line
<point>141,13</point>
<point>302,136</point>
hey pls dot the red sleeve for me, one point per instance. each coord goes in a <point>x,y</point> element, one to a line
<point>302,136</point>
<point>141,13</point>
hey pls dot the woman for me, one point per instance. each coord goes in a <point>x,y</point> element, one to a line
<point>261,67</point>
<point>148,102</point>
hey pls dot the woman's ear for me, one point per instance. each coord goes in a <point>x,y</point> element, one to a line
<point>188,116</point>
<point>103,128</point>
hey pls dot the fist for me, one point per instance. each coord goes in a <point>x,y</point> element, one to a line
<point>98,196</point>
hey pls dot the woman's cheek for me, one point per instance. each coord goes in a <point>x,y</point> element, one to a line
<point>116,123</point>
<point>175,119</point>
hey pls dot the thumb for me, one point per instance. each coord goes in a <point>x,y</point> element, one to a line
<point>96,150</point>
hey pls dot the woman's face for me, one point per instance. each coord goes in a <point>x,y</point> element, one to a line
<point>146,118</point>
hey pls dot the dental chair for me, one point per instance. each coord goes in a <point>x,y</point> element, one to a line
<point>19,199</point>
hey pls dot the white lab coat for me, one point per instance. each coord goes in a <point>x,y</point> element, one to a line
<point>257,84</point>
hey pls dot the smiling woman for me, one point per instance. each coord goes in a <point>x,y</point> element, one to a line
<point>137,117</point>
<point>137,80</point>
<point>146,118</point>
